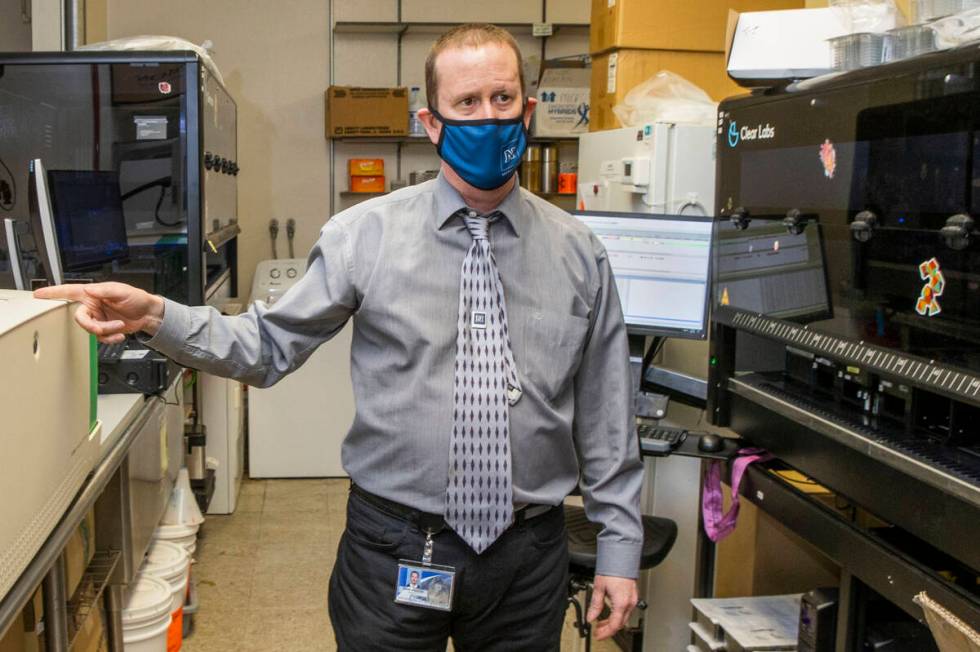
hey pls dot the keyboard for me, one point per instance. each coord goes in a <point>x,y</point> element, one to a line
<point>659,440</point>
<point>111,353</point>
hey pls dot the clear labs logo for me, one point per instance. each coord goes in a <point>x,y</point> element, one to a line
<point>738,134</point>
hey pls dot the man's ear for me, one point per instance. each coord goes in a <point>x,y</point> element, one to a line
<point>432,125</point>
<point>532,102</point>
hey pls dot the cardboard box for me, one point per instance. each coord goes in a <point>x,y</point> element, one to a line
<point>367,184</point>
<point>615,73</point>
<point>79,552</point>
<point>13,638</point>
<point>33,626</point>
<point>90,636</point>
<point>366,167</point>
<point>355,111</point>
<point>668,24</point>
<point>764,557</point>
<point>563,102</point>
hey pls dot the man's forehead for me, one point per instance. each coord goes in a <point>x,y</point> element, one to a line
<point>477,56</point>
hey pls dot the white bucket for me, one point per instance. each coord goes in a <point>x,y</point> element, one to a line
<point>182,535</point>
<point>171,563</point>
<point>146,615</point>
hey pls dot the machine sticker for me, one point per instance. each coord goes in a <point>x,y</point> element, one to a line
<point>928,302</point>
<point>725,299</point>
<point>828,156</point>
<point>165,87</point>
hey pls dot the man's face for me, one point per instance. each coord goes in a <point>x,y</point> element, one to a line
<point>414,579</point>
<point>477,84</point>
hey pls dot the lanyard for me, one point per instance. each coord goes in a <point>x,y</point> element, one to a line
<point>717,523</point>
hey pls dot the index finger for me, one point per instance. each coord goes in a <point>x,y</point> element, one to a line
<point>69,292</point>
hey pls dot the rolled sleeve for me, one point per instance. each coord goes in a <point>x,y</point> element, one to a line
<point>605,435</point>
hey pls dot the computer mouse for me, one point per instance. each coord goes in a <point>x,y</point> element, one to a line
<point>710,443</point>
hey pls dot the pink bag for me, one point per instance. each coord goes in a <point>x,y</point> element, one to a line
<point>719,525</point>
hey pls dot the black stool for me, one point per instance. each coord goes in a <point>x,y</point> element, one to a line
<point>659,535</point>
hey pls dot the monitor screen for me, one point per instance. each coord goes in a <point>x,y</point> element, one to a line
<point>88,217</point>
<point>661,267</point>
<point>767,270</point>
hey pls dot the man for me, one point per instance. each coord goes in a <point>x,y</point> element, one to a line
<point>490,370</point>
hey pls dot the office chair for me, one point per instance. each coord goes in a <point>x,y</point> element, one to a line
<point>659,535</point>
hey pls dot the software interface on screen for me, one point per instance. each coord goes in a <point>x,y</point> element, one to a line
<point>661,269</point>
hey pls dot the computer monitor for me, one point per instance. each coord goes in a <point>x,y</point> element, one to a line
<point>765,269</point>
<point>661,266</point>
<point>88,215</point>
<point>42,224</point>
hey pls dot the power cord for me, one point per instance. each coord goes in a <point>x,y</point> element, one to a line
<point>273,234</point>
<point>290,234</point>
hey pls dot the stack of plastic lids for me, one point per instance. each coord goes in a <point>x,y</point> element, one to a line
<point>146,615</point>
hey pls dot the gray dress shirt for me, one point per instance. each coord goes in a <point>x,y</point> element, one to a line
<point>392,264</point>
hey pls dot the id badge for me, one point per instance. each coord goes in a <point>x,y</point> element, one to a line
<point>425,585</point>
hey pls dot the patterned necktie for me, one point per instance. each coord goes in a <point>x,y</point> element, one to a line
<point>479,501</point>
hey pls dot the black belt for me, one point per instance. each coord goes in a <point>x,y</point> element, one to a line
<point>435,522</point>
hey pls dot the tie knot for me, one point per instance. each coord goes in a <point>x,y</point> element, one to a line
<point>478,225</point>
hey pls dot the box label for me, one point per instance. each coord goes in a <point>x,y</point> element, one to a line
<point>541,29</point>
<point>611,72</point>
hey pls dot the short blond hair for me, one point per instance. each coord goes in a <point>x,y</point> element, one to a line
<point>472,35</point>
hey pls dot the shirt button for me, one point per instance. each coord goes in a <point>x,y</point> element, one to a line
<point>472,213</point>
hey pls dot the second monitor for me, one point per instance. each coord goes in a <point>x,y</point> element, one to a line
<point>661,265</point>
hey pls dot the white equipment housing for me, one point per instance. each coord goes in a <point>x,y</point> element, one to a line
<point>47,445</point>
<point>297,426</point>
<point>658,168</point>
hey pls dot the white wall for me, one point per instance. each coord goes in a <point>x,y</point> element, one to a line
<point>15,34</point>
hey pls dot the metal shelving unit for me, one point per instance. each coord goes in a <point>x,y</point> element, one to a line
<point>401,28</point>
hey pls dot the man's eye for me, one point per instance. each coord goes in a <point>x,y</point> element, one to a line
<point>503,98</point>
<point>467,101</point>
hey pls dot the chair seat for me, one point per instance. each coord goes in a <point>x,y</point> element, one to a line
<point>659,535</point>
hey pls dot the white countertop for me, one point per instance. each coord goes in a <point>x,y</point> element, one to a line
<point>116,412</point>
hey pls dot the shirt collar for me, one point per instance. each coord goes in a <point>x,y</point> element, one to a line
<point>449,202</point>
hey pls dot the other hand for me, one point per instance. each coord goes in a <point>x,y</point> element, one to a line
<point>110,310</point>
<point>622,595</point>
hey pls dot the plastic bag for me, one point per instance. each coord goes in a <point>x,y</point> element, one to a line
<point>154,42</point>
<point>877,16</point>
<point>957,29</point>
<point>666,97</point>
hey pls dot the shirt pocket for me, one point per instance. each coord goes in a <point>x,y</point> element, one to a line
<point>553,345</point>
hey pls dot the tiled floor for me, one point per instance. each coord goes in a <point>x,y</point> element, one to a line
<point>262,572</point>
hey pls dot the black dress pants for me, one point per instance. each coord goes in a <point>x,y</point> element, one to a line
<point>512,597</point>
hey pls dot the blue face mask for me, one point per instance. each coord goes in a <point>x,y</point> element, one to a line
<point>484,153</point>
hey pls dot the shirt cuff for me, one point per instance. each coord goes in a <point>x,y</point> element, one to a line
<point>172,335</point>
<point>618,559</point>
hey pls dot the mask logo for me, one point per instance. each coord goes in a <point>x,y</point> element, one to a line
<point>165,88</point>
<point>509,156</point>
<point>932,274</point>
<point>732,134</point>
<point>828,157</point>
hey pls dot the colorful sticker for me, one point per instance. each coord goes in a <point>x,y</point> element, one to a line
<point>828,156</point>
<point>165,87</point>
<point>725,299</point>
<point>928,303</point>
